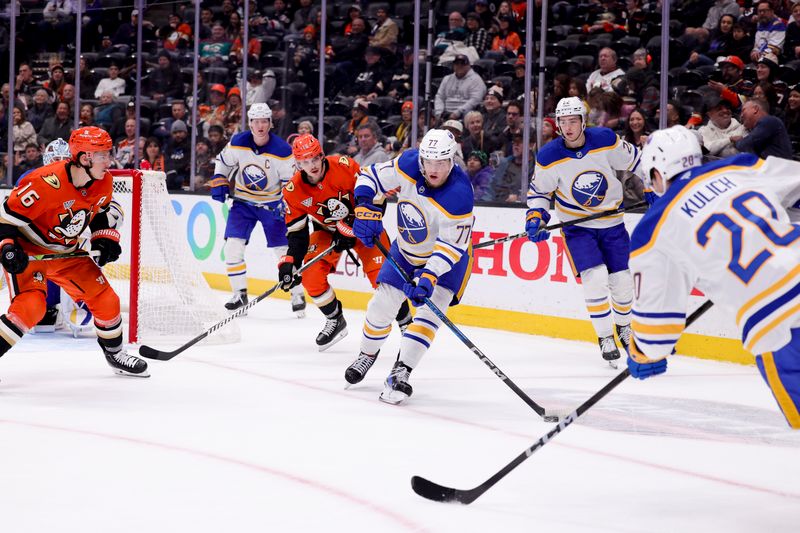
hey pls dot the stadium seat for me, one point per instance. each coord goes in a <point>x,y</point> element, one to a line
<point>276,58</point>
<point>587,63</point>
<point>693,100</point>
<point>506,69</point>
<point>373,7</point>
<point>484,67</point>
<point>216,75</point>
<point>332,124</point>
<point>403,9</point>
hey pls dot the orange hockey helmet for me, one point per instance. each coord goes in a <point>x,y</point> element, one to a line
<point>306,146</point>
<point>89,139</point>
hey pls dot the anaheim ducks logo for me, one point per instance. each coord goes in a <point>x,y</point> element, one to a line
<point>334,209</point>
<point>72,224</point>
<point>52,180</point>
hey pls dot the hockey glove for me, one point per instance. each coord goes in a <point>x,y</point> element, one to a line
<point>642,367</point>
<point>368,224</point>
<point>106,241</point>
<point>344,239</point>
<point>426,282</point>
<point>14,258</point>
<point>219,187</point>
<point>535,222</point>
<point>287,274</point>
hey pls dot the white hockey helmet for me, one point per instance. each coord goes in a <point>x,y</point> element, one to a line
<point>568,107</point>
<point>57,150</point>
<point>671,151</point>
<point>437,145</point>
<point>259,111</point>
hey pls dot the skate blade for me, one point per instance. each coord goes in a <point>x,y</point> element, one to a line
<point>44,329</point>
<point>613,364</point>
<point>392,397</point>
<point>342,334</point>
<point>300,313</point>
<point>119,372</point>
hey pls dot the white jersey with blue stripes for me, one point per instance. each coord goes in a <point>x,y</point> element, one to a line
<point>725,228</point>
<point>584,180</point>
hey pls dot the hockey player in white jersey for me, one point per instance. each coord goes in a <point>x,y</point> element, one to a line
<point>434,247</point>
<point>578,170</point>
<point>725,228</point>
<point>263,163</point>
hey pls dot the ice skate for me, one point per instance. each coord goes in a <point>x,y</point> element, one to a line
<point>610,351</point>
<point>624,333</point>
<point>356,371</point>
<point>49,321</point>
<point>396,388</point>
<point>404,322</point>
<point>125,364</point>
<point>238,300</point>
<point>335,330</point>
<point>299,305</point>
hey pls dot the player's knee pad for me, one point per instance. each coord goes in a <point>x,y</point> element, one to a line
<point>104,305</point>
<point>315,278</point>
<point>28,307</point>
<point>621,285</point>
<point>383,306</point>
<point>234,250</point>
<point>595,282</point>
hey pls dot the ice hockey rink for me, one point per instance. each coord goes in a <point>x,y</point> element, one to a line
<point>262,436</point>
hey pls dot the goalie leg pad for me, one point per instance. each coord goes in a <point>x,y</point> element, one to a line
<point>595,292</point>
<point>235,264</point>
<point>381,311</point>
<point>621,288</point>
<point>418,337</point>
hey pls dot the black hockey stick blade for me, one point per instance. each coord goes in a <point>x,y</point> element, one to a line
<point>435,492</point>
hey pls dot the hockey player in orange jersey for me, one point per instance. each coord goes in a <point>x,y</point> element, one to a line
<point>45,214</point>
<point>322,191</point>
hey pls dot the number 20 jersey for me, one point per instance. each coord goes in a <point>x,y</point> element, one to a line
<point>725,228</point>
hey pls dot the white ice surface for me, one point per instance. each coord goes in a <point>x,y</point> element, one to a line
<point>261,436</point>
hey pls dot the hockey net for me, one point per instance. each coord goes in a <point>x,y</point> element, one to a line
<point>157,277</point>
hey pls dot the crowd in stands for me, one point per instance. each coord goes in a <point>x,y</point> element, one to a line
<point>733,77</point>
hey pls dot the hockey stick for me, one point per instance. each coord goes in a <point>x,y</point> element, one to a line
<point>541,411</point>
<point>65,255</point>
<point>152,353</point>
<point>439,493</point>
<point>561,225</point>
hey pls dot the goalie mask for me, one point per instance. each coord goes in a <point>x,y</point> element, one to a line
<point>57,150</point>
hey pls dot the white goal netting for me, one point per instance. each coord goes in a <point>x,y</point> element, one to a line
<point>174,302</point>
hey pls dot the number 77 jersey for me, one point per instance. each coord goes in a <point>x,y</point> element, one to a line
<point>725,228</point>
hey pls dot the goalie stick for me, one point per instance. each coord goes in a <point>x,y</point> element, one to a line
<point>152,353</point>
<point>547,416</point>
<point>439,493</point>
<point>560,225</point>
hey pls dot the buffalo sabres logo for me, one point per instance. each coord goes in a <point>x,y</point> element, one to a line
<point>254,178</point>
<point>72,224</point>
<point>589,188</point>
<point>411,223</point>
<point>334,209</point>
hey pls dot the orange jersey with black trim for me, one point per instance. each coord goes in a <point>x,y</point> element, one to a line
<point>50,212</point>
<point>327,202</point>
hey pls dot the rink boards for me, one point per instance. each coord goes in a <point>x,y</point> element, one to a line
<point>515,286</point>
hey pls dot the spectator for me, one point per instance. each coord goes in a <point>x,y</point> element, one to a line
<point>234,25</point>
<point>126,33</point>
<point>178,156</point>
<point>347,133</point>
<point>260,86</point>
<point>767,91</point>
<point>253,46</point>
<point>456,31</point>
<point>165,82</point>
<point>480,174</point>
<point>214,112</point>
<point>177,34</point>
<point>457,129</point>
<point>517,89</point>
<point>370,150</point>
<point>57,126</point>
<point>477,138</point>
<point>742,43</point>
<point>107,111</point>
<point>204,161</point>
<point>233,112</point>
<point>68,96</point>
<point>715,14</point>
<point>26,161</point>
<point>403,132</point>
<point>178,111</point>
<point>25,83</point>
<point>106,45</point>
<point>86,115</point>
<point>352,48</point>
<point>153,156</point>
<point>767,135</point>
<point>40,109</point>
<point>767,67</point>
<point>56,82</point>
<point>770,32</point>
<point>112,83</point>
<point>548,130</point>
<point>384,34</point>
<point>476,34</point>
<point>215,50</point>
<point>721,128</point>
<point>608,71</point>
<point>718,44</point>
<point>216,139</point>
<point>306,14</point>
<point>280,14</point>
<point>791,47</point>
<point>400,83</point>
<point>508,180</point>
<point>507,41</point>
<point>206,21</point>
<point>23,131</point>
<point>513,125</point>
<point>733,87</point>
<point>374,80</point>
<point>792,117</point>
<point>576,88</point>
<point>484,12</point>
<point>494,118</point>
<point>460,91</point>
<point>124,151</point>
<point>88,80</point>
<point>636,130</point>
<point>117,130</point>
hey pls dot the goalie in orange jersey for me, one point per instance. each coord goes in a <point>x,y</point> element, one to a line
<point>45,214</point>
<point>322,192</point>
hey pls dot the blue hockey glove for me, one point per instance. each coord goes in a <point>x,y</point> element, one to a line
<point>426,282</point>
<point>368,224</point>
<point>219,187</point>
<point>642,367</point>
<point>535,222</point>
